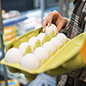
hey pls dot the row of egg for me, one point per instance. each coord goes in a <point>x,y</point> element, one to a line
<point>40,37</point>
<point>32,60</point>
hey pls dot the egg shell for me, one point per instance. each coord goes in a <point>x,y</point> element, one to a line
<point>23,47</point>
<point>41,36</point>
<point>56,41</point>
<point>50,29</point>
<point>13,55</point>
<point>41,53</point>
<point>62,37</point>
<point>30,62</point>
<point>50,47</point>
<point>32,42</point>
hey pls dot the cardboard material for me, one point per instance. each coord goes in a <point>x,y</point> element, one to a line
<point>67,57</point>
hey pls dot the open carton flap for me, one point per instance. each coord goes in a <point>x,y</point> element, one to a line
<point>59,61</point>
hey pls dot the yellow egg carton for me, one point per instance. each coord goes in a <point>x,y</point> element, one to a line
<point>67,57</point>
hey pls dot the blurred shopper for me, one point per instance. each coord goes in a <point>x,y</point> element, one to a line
<point>75,26</point>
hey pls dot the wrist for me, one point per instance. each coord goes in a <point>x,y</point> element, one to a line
<point>66,23</point>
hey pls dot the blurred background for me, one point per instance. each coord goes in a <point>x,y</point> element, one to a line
<point>21,16</point>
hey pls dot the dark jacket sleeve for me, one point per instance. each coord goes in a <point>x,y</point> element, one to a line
<point>77,27</point>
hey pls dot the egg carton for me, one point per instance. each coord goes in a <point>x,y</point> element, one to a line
<point>67,57</point>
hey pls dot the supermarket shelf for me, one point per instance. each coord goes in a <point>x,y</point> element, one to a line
<point>15,20</point>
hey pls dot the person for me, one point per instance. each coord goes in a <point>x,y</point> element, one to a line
<point>72,28</point>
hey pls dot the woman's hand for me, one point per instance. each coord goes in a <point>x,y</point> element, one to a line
<point>55,18</point>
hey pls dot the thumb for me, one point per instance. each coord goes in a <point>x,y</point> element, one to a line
<point>59,27</point>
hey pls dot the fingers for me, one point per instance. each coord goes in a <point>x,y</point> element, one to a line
<point>59,26</point>
<point>61,22</point>
<point>50,18</point>
<point>45,24</point>
<point>47,21</point>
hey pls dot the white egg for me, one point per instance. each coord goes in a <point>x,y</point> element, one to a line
<point>30,62</point>
<point>13,55</point>
<point>32,42</point>
<point>41,37</point>
<point>23,47</point>
<point>49,47</point>
<point>62,37</point>
<point>56,42</point>
<point>41,53</point>
<point>50,29</point>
